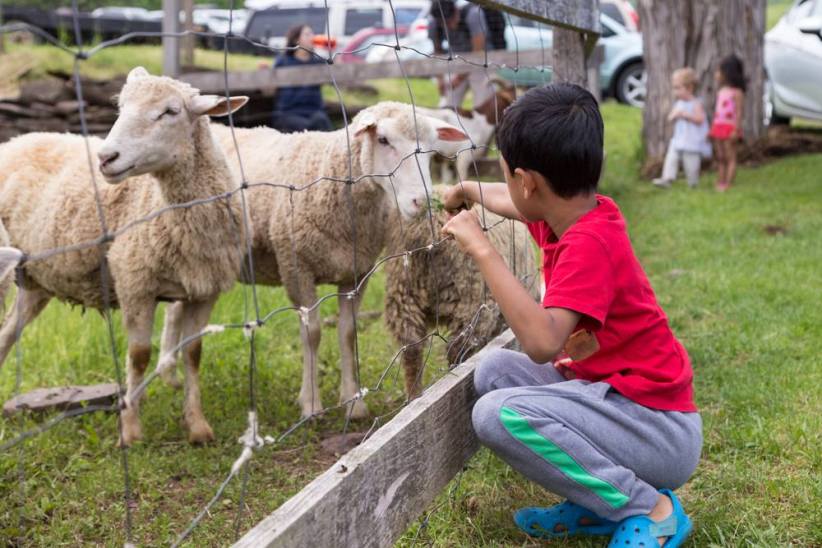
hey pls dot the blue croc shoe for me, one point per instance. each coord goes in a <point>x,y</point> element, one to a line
<point>542,522</point>
<point>642,531</point>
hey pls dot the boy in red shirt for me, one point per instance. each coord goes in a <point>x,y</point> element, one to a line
<point>611,424</point>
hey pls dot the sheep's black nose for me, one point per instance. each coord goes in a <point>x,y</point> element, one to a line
<point>107,157</point>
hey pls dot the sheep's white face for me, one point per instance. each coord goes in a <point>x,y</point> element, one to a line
<point>393,145</point>
<point>156,124</point>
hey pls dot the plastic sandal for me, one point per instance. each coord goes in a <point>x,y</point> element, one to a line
<point>542,522</point>
<point>642,532</point>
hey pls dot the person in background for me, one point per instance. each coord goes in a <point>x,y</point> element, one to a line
<point>726,129</point>
<point>690,139</point>
<point>299,108</point>
<point>469,29</point>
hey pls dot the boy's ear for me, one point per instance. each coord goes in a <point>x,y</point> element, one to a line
<point>528,180</point>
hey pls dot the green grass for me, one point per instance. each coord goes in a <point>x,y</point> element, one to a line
<point>744,302</point>
<point>775,10</point>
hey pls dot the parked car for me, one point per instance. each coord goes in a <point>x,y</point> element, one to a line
<point>622,12</point>
<point>269,20</point>
<point>622,72</point>
<point>793,62</point>
<point>115,12</point>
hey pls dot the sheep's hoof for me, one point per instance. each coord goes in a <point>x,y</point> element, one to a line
<point>358,410</point>
<point>200,433</point>
<point>131,432</point>
<point>171,379</point>
<point>311,409</point>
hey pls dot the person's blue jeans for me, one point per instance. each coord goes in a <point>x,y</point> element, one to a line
<point>289,122</point>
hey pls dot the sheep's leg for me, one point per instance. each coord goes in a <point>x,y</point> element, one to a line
<point>29,304</point>
<point>138,317</point>
<point>172,329</point>
<point>413,369</point>
<point>347,333</point>
<point>194,318</point>
<point>310,333</point>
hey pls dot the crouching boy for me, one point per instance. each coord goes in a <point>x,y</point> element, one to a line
<point>598,407</point>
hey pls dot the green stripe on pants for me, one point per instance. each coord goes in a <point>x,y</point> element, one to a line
<point>518,427</point>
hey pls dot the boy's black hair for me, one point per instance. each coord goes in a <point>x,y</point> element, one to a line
<point>733,72</point>
<point>557,131</point>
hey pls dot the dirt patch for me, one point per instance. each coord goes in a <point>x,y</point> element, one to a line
<point>780,141</point>
<point>775,230</point>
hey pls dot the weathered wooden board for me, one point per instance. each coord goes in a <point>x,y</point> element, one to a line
<point>213,82</point>
<point>61,398</point>
<point>579,15</point>
<point>373,493</point>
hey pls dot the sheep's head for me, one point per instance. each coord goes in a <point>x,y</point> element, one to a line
<point>389,141</point>
<point>157,119</point>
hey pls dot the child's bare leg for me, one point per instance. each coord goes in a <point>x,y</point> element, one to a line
<point>730,167</point>
<point>719,148</point>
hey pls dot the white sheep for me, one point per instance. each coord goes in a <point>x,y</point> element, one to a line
<point>307,237</point>
<point>161,145</point>
<point>443,285</point>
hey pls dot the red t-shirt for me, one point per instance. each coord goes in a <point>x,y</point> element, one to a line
<point>592,270</point>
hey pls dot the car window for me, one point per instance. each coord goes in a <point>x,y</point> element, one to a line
<point>406,16</point>
<point>517,21</point>
<point>276,22</point>
<point>607,31</point>
<point>360,18</point>
<point>612,11</point>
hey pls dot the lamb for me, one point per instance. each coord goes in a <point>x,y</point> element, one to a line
<point>162,145</point>
<point>307,237</point>
<point>480,124</point>
<point>447,277</point>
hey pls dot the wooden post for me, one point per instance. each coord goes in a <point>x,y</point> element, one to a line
<point>188,41</point>
<point>171,44</point>
<point>569,57</point>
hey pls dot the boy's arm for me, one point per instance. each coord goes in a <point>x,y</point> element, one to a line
<point>494,196</point>
<point>542,332</point>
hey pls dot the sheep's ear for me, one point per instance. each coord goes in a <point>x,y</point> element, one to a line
<point>136,73</point>
<point>364,122</point>
<point>216,105</point>
<point>450,133</point>
<point>10,257</point>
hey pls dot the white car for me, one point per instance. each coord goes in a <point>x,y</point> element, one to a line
<point>793,62</point>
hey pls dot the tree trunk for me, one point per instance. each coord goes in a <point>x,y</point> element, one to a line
<point>569,57</point>
<point>698,34</point>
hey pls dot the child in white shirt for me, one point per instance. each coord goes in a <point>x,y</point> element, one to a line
<point>689,142</point>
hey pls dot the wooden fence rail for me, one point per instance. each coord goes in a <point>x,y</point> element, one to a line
<point>214,82</point>
<point>368,498</point>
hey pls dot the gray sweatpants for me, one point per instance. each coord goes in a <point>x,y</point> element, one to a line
<point>582,440</point>
<point>691,162</point>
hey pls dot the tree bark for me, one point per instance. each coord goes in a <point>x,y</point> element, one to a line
<point>699,34</point>
<point>569,57</point>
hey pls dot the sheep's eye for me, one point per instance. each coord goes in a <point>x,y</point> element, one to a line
<point>169,112</point>
<point>382,140</point>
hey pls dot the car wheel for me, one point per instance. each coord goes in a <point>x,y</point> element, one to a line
<point>632,84</point>
<point>769,109</point>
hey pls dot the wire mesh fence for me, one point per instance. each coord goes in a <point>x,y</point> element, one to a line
<point>254,318</point>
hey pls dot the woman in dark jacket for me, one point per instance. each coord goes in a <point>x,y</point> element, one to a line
<point>299,108</point>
